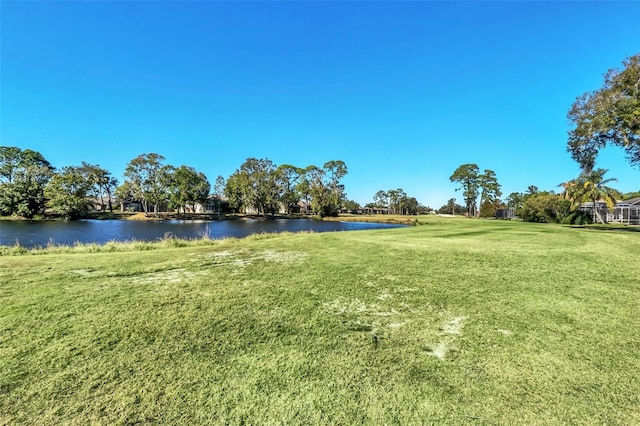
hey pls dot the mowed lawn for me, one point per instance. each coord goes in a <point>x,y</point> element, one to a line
<point>451,322</point>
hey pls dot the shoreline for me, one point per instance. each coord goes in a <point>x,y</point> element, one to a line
<point>140,216</point>
<point>171,240</point>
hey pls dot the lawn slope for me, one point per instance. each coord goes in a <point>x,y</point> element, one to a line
<point>449,322</point>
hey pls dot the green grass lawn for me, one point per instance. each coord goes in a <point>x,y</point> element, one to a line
<point>451,322</point>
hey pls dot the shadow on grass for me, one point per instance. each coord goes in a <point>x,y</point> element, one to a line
<point>607,228</point>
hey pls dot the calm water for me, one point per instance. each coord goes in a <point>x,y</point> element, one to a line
<point>41,233</point>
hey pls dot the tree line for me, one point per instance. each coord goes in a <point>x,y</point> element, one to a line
<point>262,187</point>
<point>534,205</point>
<point>30,185</point>
<point>396,201</point>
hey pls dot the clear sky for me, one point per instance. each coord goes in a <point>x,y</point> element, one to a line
<point>402,92</point>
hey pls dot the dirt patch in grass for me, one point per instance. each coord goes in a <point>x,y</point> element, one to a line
<point>82,272</point>
<point>449,332</point>
<point>244,258</point>
<point>453,326</point>
<point>170,276</point>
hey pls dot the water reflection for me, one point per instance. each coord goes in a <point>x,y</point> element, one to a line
<point>42,233</point>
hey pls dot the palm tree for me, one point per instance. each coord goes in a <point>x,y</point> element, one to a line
<point>570,192</point>
<point>591,186</point>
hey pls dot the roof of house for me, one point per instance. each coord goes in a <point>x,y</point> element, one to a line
<point>212,197</point>
<point>598,202</point>
<point>625,203</point>
<point>630,202</point>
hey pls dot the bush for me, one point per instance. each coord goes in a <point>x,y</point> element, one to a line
<point>545,207</point>
<point>579,217</point>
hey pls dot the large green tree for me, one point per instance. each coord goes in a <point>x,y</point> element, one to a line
<point>327,193</point>
<point>11,160</point>
<point>218,191</point>
<point>335,171</point>
<point>393,201</point>
<point>410,205</point>
<point>397,200</point>
<point>318,190</point>
<point>287,178</point>
<point>467,176</point>
<point>608,116</point>
<point>303,188</point>
<point>68,192</point>
<point>381,199</point>
<point>188,187</point>
<point>102,182</point>
<point>148,180</point>
<point>24,174</point>
<point>544,206</point>
<point>237,191</point>
<point>515,200</point>
<point>254,185</point>
<point>490,192</point>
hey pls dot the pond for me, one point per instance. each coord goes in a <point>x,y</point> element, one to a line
<point>42,233</point>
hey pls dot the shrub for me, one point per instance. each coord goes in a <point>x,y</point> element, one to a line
<point>579,217</point>
<point>545,207</point>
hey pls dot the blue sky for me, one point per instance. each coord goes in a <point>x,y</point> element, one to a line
<point>403,92</point>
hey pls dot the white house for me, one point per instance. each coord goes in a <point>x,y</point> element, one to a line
<point>625,212</point>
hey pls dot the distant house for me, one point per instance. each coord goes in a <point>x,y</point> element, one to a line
<point>212,205</point>
<point>301,207</point>
<point>100,205</point>
<point>358,210</point>
<point>131,206</point>
<point>624,212</point>
<point>508,213</point>
<point>375,210</point>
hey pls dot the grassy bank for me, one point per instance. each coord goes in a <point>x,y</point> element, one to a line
<point>381,218</point>
<point>452,322</point>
